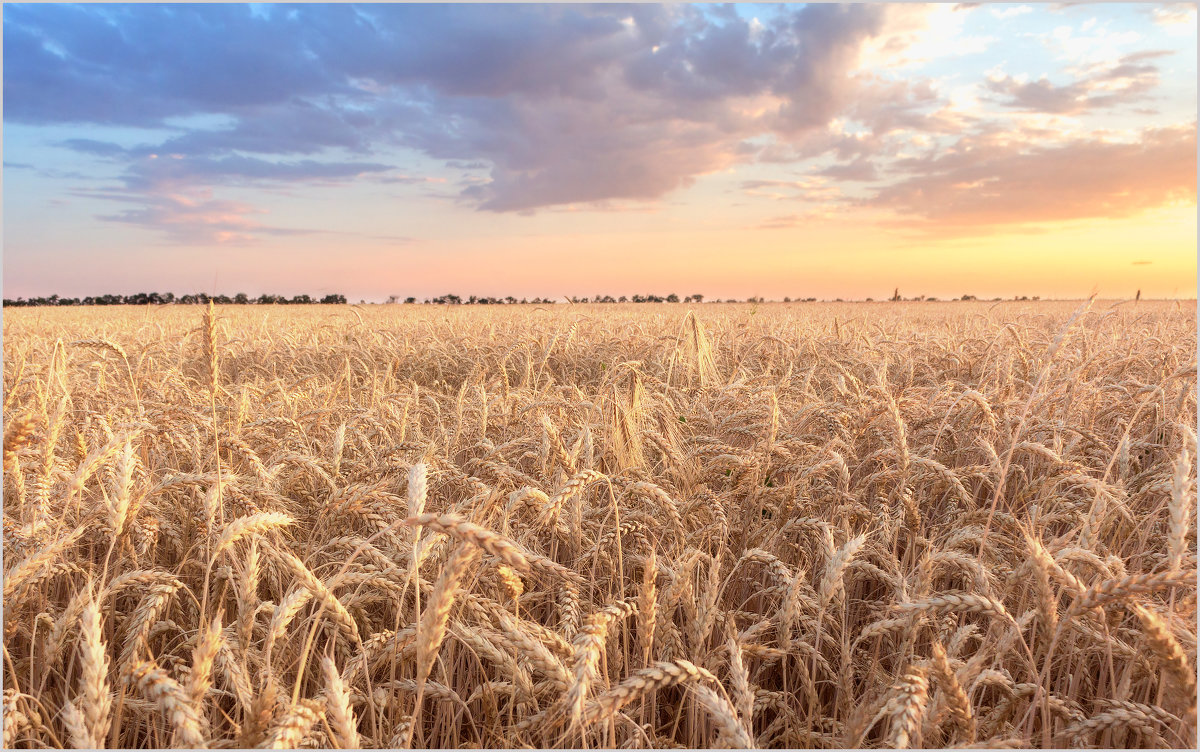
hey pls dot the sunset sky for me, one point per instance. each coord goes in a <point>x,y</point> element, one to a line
<point>542,150</point>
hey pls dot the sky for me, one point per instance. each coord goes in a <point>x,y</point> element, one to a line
<point>816,150</point>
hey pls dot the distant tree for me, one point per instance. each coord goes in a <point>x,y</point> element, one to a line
<point>698,298</point>
<point>393,298</point>
<point>787,299</point>
<point>333,298</point>
<point>410,299</point>
<point>870,300</point>
<point>968,297</point>
<point>896,296</point>
<point>241,298</point>
<point>672,298</point>
<point>622,299</point>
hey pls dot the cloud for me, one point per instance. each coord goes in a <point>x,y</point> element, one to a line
<point>194,219</point>
<point>1175,17</point>
<point>918,33</point>
<point>859,170</point>
<point>640,127</point>
<point>189,216</point>
<point>154,172</point>
<point>785,222</point>
<point>807,189</point>
<point>639,100</point>
<point>566,105</point>
<point>792,221</point>
<point>1129,80</point>
<point>991,180</point>
<point>105,149</point>
<point>407,179</point>
<point>1009,11</point>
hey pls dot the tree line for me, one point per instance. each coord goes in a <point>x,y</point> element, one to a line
<point>155,298</point>
<point>510,300</point>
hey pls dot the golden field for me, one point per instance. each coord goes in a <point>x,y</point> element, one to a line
<point>807,525</point>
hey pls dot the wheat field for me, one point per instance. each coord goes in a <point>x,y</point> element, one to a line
<point>809,525</point>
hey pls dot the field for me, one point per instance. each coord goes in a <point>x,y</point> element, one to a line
<point>805,525</point>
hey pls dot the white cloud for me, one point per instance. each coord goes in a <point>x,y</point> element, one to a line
<point>1177,19</point>
<point>1011,12</point>
<point>1093,45</point>
<point>918,33</point>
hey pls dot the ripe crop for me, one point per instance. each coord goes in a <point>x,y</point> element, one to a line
<point>813,525</point>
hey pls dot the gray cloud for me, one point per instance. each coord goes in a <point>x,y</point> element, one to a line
<point>858,170</point>
<point>637,101</point>
<point>1128,81</point>
<point>555,104</point>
